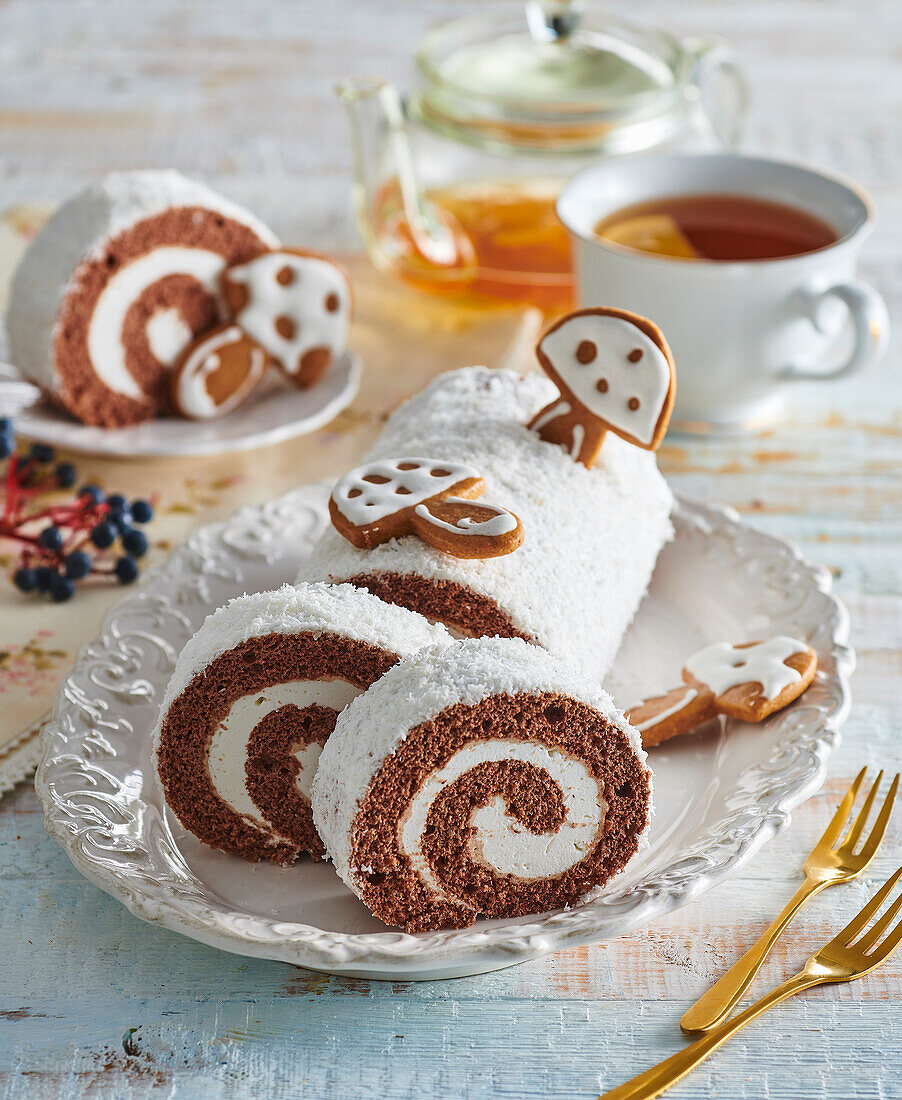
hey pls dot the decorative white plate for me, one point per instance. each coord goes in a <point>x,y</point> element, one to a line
<point>720,794</point>
<point>276,411</point>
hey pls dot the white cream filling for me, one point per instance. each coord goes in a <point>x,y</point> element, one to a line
<point>168,334</point>
<point>228,747</point>
<point>105,346</point>
<point>499,839</point>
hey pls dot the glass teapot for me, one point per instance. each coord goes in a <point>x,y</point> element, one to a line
<point>454,187</point>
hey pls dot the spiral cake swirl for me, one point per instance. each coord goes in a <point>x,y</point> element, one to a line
<point>117,284</point>
<point>481,778</point>
<point>253,699</point>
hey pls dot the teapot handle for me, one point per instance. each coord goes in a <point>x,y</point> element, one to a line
<point>718,88</point>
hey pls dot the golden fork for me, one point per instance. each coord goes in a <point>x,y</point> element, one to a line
<point>828,865</point>
<point>841,960</point>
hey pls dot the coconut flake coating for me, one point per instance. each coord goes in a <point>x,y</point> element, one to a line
<point>592,536</point>
<point>340,609</point>
<point>418,689</point>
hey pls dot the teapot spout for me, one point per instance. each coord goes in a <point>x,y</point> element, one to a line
<point>399,225</point>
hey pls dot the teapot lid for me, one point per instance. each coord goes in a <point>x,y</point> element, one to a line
<point>567,78</point>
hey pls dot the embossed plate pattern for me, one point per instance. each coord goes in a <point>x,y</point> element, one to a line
<point>720,794</point>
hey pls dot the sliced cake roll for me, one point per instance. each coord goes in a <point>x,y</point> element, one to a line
<point>118,284</point>
<point>480,778</point>
<point>253,699</point>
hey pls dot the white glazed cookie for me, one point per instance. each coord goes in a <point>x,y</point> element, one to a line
<point>117,284</point>
<point>390,498</point>
<point>294,304</point>
<point>591,536</point>
<point>749,682</point>
<point>614,372</point>
<point>252,700</point>
<point>480,778</point>
<point>216,373</point>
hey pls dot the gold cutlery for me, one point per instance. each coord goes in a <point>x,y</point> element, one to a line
<point>848,956</point>
<point>828,865</point>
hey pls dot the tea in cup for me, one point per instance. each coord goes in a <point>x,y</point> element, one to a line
<point>747,264</point>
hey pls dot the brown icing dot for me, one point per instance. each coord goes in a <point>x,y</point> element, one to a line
<point>285,276</point>
<point>354,493</point>
<point>635,355</point>
<point>602,385</point>
<point>586,351</point>
<point>633,403</point>
<point>376,479</point>
<point>332,302</point>
<point>408,466</point>
<point>285,327</point>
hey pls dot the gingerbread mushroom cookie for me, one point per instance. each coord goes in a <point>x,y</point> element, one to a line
<point>615,373</point>
<point>216,373</point>
<point>296,305</point>
<point>389,498</point>
<point>749,682</point>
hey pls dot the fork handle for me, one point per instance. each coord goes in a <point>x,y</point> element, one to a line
<point>659,1078</point>
<point>715,1005</point>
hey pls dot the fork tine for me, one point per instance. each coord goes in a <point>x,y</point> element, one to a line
<point>858,922</point>
<point>841,816</point>
<point>854,834</point>
<point>889,945</point>
<point>873,841</point>
<point>872,935</point>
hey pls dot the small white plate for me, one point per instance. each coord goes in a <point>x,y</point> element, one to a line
<point>276,411</point>
<point>719,794</point>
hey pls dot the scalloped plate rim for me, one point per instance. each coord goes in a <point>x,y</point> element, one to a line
<point>50,425</point>
<point>396,955</point>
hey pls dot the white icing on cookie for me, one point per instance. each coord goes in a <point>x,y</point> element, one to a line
<point>501,841</point>
<point>647,380</point>
<point>228,747</point>
<point>362,501</point>
<point>576,442</point>
<point>558,409</point>
<point>105,346</point>
<point>502,523</point>
<point>687,697</point>
<point>722,666</point>
<point>193,395</point>
<point>304,301</point>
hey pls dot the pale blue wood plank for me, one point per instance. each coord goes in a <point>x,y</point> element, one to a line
<point>88,86</point>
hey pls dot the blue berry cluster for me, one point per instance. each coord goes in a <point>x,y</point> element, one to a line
<point>76,542</point>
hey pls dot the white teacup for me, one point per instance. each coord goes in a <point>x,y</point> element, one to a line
<point>741,331</point>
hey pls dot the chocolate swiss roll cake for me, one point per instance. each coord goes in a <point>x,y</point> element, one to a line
<point>116,286</point>
<point>590,537</point>
<point>252,700</point>
<point>483,778</point>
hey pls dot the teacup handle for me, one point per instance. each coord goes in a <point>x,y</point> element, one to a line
<point>869,318</point>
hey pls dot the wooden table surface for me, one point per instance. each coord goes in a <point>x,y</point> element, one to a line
<point>95,1003</point>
